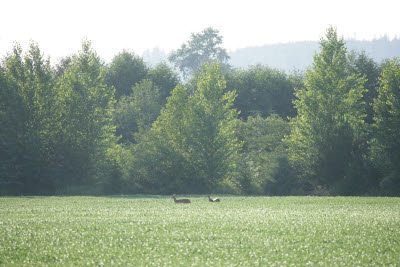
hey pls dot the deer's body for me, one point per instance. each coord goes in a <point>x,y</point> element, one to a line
<point>183,200</point>
<point>213,200</point>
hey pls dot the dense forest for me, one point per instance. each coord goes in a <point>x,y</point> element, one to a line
<point>196,124</point>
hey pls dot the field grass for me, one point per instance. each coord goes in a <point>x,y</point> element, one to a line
<point>239,231</point>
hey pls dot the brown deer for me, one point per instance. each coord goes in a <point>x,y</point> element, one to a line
<point>213,200</point>
<point>183,200</point>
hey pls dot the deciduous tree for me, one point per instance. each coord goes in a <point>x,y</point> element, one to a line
<point>165,78</point>
<point>137,111</point>
<point>385,146</point>
<point>85,106</point>
<point>29,125</point>
<point>126,69</point>
<point>198,131</point>
<point>262,91</point>
<point>329,129</point>
<point>202,48</point>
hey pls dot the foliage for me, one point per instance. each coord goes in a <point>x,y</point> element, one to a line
<point>212,141</point>
<point>126,69</point>
<point>85,106</point>
<point>158,167</point>
<point>385,146</point>
<point>239,231</point>
<point>193,138</point>
<point>27,132</point>
<point>328,132</point>
<point>263,91</point>
<point>165,79</point>
<point>10,124</point>
<point>62,65</point>
<point>360,63</point>
<point>137,111</point>
<point>86,127</point>
<point>202,48</point>
<point>264,165</point>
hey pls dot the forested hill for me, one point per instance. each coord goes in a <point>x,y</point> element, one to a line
<point>299,55</point>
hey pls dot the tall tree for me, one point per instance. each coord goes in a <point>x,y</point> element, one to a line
<point>195,133</point>
<point>11,123</point>
<point>28,88</point>
<point>85,105</point>
<point>126,69</point>
<point>329,129</point>
<point>385,146</point>
<point>160,164</point>
<point>360,63</point>
<point>137,111</point>
<point>202,48</point>
<point>212,142</point>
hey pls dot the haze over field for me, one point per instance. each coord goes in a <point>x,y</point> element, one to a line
<point>59,27</point>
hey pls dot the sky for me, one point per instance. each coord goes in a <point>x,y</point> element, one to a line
<point>114,25</point>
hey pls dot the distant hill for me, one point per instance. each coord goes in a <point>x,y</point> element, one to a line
<point>292,56</point>
<point>299,55</point>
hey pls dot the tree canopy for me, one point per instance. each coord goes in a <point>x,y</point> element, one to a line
<point>329,127</point>
<point>386,143</point>
<point>197,134</point>
<point>85,126</point>
<point>202,48</point>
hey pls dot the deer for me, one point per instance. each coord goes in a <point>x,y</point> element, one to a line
<point>213,200</point>
<point>183,200</point>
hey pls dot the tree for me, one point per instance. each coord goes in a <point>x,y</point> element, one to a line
<point>137,111</point>
<point>360,63</point>
<point>159,163</point>
<point>263,91</point>
<point>193,138</point>
<point>264,167</point>
<point>11,123</point>
<point>328,132</point>
<point>126,69</point>
<point>202,48</point>
<point>85,108</point>
<point>28,107</point>
<point>385,147</point>
<point>212,121</point>
<point>165,79</point>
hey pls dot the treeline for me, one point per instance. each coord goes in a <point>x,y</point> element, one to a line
<point>86,127</point>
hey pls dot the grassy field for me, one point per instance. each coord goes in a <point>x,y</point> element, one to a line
<point>239,231</point>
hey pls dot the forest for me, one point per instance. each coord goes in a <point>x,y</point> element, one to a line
<point>196,124</point>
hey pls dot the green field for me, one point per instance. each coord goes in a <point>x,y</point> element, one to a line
<point>239,231</point>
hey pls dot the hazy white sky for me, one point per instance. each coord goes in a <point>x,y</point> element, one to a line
<point>59,26</point>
